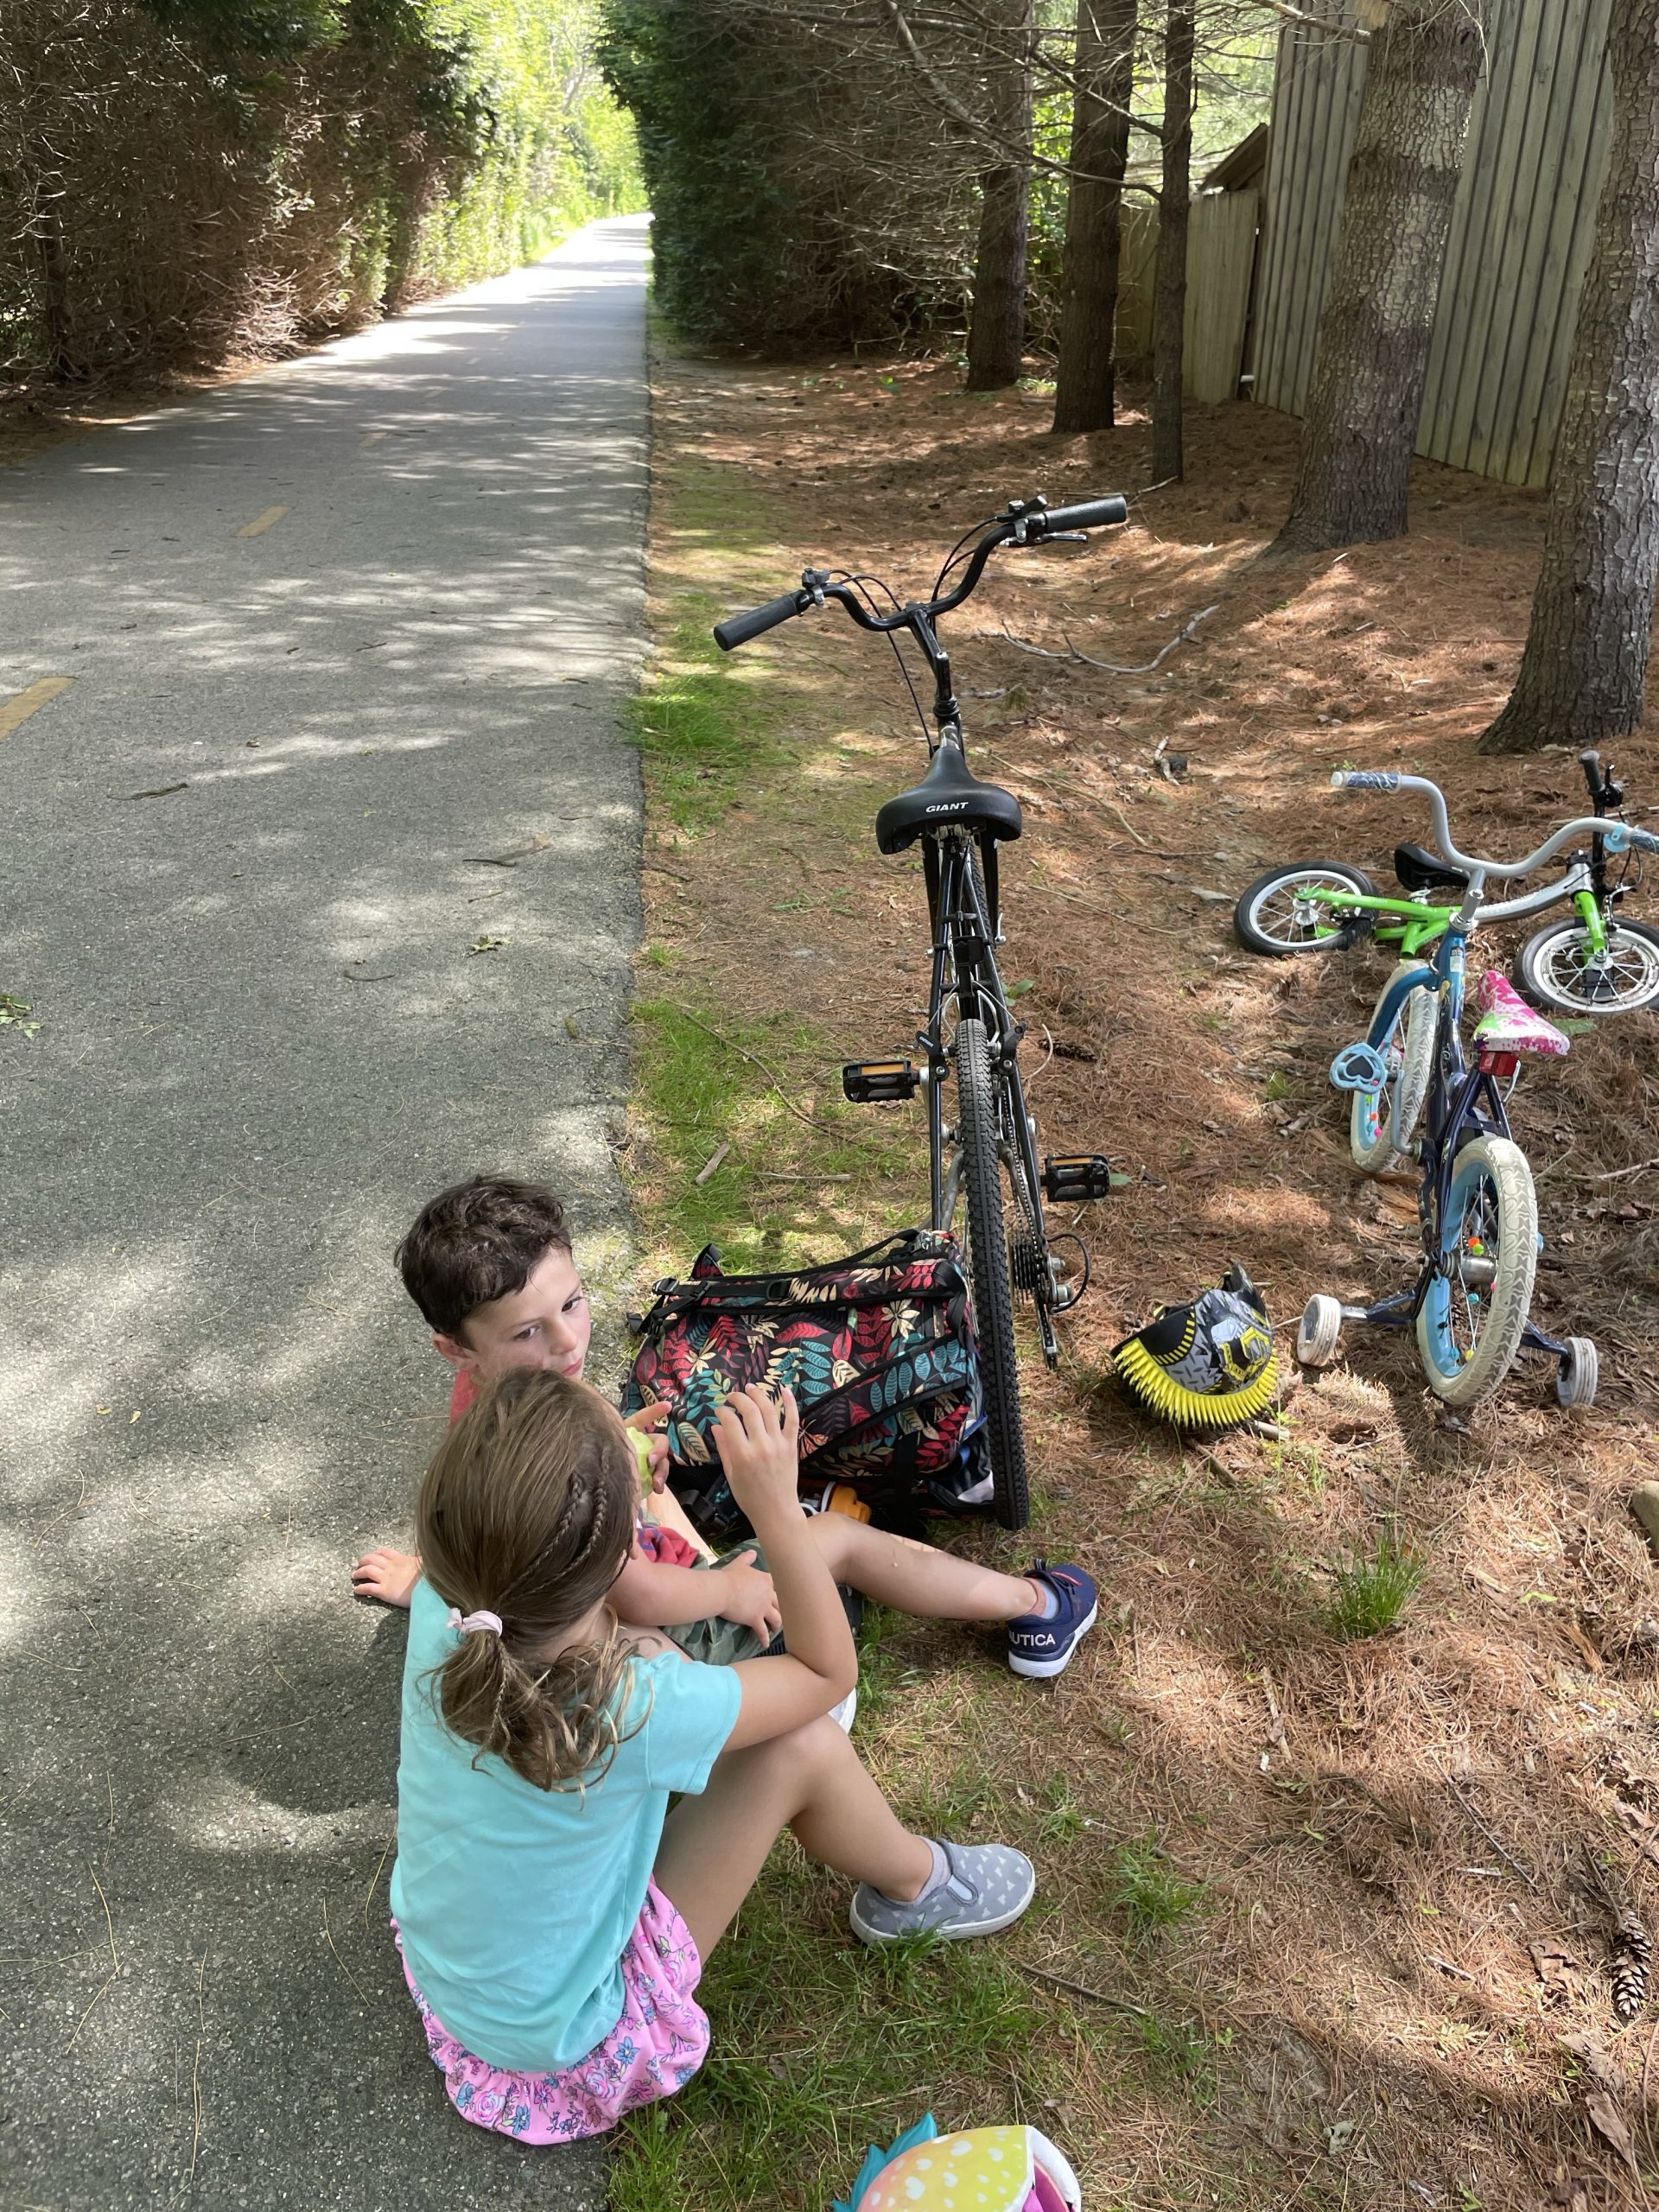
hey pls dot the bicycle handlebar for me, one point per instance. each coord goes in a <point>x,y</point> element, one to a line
<point>1616,836</point>
<point>738,629</point>
<point>1027,522</point>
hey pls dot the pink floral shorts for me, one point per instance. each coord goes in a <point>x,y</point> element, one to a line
<point>654,2048</point>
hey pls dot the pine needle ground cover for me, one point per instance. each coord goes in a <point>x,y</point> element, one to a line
<point>1340,1815</point>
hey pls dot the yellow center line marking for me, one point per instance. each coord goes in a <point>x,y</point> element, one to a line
<point>15,711</point>
<point>261,523</point>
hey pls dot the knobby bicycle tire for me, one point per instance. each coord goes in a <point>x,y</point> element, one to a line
<point>987,1268</point>
<point>1501,1166</point>
<point>1409,1052</point>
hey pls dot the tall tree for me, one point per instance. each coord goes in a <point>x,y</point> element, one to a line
<point>1103,67</point>
<point>996,330</point>
<point>1361,424</point>
<point>1584,673</point>
<point>1174,202</point>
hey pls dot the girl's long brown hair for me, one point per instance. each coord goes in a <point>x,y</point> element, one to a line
<point>527,1512</point>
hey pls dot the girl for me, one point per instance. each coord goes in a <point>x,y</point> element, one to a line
<point>553,1924</point>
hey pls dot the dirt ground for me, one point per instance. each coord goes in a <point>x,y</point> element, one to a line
<point>1397,1981</point>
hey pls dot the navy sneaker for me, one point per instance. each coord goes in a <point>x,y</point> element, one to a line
<point>1042,1647</point>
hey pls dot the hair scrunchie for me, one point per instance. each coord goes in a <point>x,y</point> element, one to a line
<point>471,1621</point>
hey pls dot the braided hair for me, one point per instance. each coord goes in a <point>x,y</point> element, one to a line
<point>527,1514</point>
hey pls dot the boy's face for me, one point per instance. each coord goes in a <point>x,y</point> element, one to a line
<point>545,1324</point>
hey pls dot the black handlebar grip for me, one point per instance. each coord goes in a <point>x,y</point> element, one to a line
<point>738,629</point>
<point>1088,514</point>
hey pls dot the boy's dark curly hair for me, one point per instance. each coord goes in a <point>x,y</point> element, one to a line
<point>475,1242</point>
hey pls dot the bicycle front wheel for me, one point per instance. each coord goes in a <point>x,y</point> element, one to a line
<point>1470,1326</point>
<point>1559,968</point>
<point>1376,1115</point>
<point>1280,913</point>
<point>978,1130</point>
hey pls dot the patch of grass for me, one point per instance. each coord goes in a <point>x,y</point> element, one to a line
<point>706,730</point>
<point>1373,1589</point>
<point>1145,1889</point>
<point>1178,2052</point>
<point>1062,1820</point>
<point>788,1185</point>
<point>824,2048</point>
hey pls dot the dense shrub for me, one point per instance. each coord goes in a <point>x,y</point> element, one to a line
<point>185,179</point>
<point>799,192</point>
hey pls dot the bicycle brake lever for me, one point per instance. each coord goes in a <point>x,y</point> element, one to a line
<point>1066,537</point>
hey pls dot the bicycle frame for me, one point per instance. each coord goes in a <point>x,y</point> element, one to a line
<point>1453,1107</point>
<point>1412,924</point>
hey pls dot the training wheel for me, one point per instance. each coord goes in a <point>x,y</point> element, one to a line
<point>1579,1373</point>
<point>1318,1330</point>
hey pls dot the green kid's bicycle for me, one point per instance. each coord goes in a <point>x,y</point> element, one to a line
<point>1417,1096</point>
<point>1591,963</point>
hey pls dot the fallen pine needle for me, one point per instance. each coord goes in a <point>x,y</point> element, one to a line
<point>1082,1989</point>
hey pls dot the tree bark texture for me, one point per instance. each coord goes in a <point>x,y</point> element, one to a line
<point>1355,464</point>
<point>1086,377</point>
<point>996,332</point>
<point>1175,203</point>
<point>1583,676</point>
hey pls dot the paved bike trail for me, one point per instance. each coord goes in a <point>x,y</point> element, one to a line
<point>340,635</point>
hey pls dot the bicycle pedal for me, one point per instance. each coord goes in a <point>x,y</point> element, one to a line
<point>868,1083</point>
<point>1359,1067</point>
<point>1072,1177</point>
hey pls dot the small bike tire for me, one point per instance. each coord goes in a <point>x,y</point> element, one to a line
<point>1492,1199</point>
<point>1264,922</point>
<point>1409,1052</point>
<point>987,1266</point>
<point>1556,969</point>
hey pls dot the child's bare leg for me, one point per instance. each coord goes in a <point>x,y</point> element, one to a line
<point>916,1578</point>
<point>810,1780</point>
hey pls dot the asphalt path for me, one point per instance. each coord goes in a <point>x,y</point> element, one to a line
<point>341,636</point>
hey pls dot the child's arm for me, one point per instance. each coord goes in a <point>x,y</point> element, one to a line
<point>386,1576</point>
<point>647,1594</point>
<point>759,1450</point>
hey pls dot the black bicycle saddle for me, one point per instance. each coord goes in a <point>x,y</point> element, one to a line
<point>1419,869</point>
<point>950,796</point>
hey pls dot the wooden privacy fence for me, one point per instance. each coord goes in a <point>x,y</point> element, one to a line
<point>1521,229</point>
<point>1221,255</point>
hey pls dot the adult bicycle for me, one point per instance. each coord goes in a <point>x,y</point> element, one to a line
<point>986,1186</point>
<point>1594,962</point>
<point>1417,1096</point>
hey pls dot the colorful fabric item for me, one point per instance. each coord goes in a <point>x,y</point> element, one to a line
<point>516,1905</point>
<point>716,1642</point>
<point>654,2048</point>
<point>1507,1024</point>
<point>1012,2169</point>
<point>667,1547</point>
<point>877,1348</point>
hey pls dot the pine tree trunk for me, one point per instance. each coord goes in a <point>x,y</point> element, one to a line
<point>1584,673</point>
<point>1086,377</point>
<point>1355,464</point>
<point>996,332</point>
<point>1174,201</point>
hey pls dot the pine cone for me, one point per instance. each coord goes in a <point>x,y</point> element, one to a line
<point>1632,1957</point>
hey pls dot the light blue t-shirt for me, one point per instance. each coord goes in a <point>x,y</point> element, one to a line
<point>517,1904</point>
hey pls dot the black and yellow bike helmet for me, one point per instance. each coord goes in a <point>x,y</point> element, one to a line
<point>1207,1365</point>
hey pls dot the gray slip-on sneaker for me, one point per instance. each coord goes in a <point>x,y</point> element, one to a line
<point>988,1886</point>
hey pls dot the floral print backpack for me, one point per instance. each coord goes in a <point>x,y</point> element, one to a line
<point>879,1350</point>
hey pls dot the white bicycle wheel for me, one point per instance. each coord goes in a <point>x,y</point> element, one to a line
<point>1469,1326</point>
<point>1381,1123</point>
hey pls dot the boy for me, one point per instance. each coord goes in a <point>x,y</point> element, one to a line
<point>489,1265</point>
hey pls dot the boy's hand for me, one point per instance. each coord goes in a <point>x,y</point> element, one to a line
<point>387,1577</point>
<point>760,1450</point>
<point>746,1595</point>
<point>649,1422</point>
